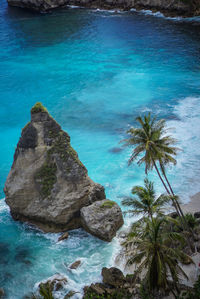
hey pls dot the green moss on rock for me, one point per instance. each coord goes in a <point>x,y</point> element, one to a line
<point>62,147</point>
<point>38,107</point>
<point>108,204</point>
<point>46,177</point>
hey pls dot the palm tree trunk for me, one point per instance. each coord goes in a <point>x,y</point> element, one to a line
<point>177,203</point>
<point>174,202</point>
<point>158,172</point>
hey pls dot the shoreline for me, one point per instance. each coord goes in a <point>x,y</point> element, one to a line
<point>171,12</point>
<point>193,206</point>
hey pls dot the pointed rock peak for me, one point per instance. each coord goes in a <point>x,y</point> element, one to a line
<point>39,113</point>
<point>38,107</point>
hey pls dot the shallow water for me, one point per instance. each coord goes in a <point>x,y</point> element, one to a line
<point>95,71</point>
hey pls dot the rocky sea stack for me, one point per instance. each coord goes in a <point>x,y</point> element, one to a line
<point>48,185</point>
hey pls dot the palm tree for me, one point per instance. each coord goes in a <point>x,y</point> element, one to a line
<point>145,201</point>
<point>157,261</point>
<point>151,139</point>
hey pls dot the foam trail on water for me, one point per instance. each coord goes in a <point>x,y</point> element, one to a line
<point>158,14</point>
<point>186,131</point>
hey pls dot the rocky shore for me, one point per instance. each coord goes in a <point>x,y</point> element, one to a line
<point>172,8</point>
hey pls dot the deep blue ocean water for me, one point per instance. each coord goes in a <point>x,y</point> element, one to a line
<point>95,71</point>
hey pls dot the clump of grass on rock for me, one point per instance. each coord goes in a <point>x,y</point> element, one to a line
<point>38,107</point>
<point>108,204</point>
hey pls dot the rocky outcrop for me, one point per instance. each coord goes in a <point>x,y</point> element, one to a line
<point>102,219</point>
<point>114,285</point>
<point>169,7</point>
<point>63,237</point>
<point>75,265</point>
<point>112,276</point>
<point>47,184</point>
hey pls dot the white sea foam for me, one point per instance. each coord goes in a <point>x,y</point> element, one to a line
<point>3,205</point>
<point>73,6</point>
<point>186,131</point>
<point>158,14</point>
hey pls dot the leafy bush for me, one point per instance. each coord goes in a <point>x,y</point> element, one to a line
<point>45,291</point>
<point>38,107</point>
<point>191,220</point>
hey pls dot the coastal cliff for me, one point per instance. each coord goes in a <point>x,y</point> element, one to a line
<point>48,185</point>
<point>168,7</point>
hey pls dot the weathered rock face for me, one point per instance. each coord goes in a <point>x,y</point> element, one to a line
<point>114,285</point>
<point>112,276</point>
<point>48,184</point>
<point>176,7</point>
<point>102,219</point>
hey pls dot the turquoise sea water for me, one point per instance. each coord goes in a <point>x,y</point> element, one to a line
<point>95,71</point>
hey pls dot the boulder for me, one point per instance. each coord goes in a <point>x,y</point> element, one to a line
<point>63,237</point>
<point>75,265</point>
<point>113,276</point>
<point>102,219</point>
<point>114,285</point>
<point>54,283</point>
<point>70,294</point>
<point>47,184</point>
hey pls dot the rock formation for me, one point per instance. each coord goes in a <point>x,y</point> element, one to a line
<point>47,184</point>
<point>102,219</point>
<point>169,7</point>
<point>75,265</point>
<point>114,285</point>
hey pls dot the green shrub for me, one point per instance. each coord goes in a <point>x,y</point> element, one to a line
<point>191,220</point>
<point>38,107</point>
<point>46,177</point>
<point>45,291</point>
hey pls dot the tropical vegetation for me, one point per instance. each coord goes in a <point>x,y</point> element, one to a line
<point>144,200</point>
<point>152,146</point>
<point>157,253</point>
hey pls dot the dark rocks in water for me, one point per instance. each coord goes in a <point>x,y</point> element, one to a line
<point>102,219</point>
<point>54,283</point>
<point>2,293</point>
<point>70,294</point>
<point>116,150</point>
<point>63,237</point>
<point>48,185</point>
<point>75,265</point>
<point>4,253</point>
<point>21,255</point>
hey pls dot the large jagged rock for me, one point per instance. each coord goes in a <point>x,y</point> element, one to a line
<point>47,184</point>
<point>169,7</point>
<point>102,219</point>
<point>112,276</point>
